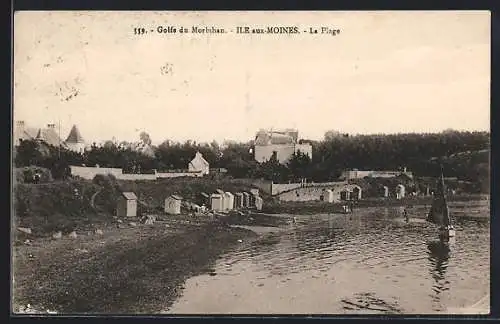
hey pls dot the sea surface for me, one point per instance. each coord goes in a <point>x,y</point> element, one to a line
<point>368,262</point>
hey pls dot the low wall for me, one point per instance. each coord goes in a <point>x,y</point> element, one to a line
<point>135,176</point>
<point>90,172</point>
<point>313,193</point>
<point>278,188</point>
<point>164,175</point>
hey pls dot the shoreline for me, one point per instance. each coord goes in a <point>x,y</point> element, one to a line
<point>133,270</point>
<point>139,269</point>
<point>320,207</point>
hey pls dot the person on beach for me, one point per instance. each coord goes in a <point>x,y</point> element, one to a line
<point>405,213</point>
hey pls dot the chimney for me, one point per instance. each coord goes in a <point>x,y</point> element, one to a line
<point>404,169</point>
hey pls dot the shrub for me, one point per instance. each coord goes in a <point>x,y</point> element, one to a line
<point>25,174</point>
<point>48,207</point>
<point>107,197</point>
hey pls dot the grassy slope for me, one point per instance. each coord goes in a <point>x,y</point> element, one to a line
<point>50,207</point>
<point>154,193</point>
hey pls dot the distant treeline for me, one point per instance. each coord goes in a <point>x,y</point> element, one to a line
<point>419,153</point>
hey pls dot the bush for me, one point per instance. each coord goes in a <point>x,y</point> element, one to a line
<point>54,206</point>
<point>107,197</point>
<point>25,174</point>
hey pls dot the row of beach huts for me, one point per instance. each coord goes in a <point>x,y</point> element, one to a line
<point>219,201</point>
<point>222,201</point>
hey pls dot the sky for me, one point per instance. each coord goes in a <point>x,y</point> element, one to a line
<point>385,72</point>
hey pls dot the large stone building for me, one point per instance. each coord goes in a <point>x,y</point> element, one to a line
<point>282,144</point>
<point>49,135</point>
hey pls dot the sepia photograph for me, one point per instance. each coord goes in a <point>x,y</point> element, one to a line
<point>250,162</point>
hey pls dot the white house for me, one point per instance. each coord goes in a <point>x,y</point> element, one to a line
<point>198,163</point>
<point>281,144</point>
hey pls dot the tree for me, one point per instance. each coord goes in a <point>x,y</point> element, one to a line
<point>331,134</point>
<point>28,153</point>
<point>145,138</point>
<point>299,165</point>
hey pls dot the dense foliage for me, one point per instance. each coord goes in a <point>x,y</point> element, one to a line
<point>419,153</point>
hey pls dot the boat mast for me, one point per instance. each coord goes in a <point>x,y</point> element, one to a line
<point>446,216</point>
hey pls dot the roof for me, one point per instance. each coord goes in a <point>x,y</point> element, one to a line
<point>24,133</point>
<point>129,195</point>
<point>228,193</point>
<point>49,136</point>
<point>219,191</point>
<point>75,136</point>
<point>176,197</point>
<point>204,194</point>
<point>278,138</point>
<point>198,156</point>
<point>239,194</point>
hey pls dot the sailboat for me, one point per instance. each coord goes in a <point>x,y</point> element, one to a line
<point>439,213</point>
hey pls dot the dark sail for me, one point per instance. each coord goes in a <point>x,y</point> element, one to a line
<point>439,213</point>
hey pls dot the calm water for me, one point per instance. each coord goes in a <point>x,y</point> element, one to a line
<point>367,262</point>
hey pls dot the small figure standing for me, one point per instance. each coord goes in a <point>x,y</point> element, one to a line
<point>405,213</point>
<point>36,178</point>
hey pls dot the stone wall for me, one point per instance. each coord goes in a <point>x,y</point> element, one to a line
<point>278,188</point>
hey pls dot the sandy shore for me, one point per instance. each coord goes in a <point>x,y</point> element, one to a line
<point>130,270</point>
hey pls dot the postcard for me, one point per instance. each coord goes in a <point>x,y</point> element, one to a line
<point>310,163</point>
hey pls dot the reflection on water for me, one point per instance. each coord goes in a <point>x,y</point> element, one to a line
<point>439,254</point>
<point>371,261</point>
